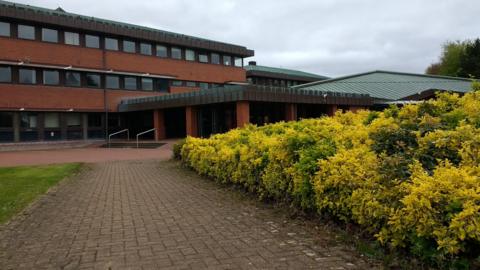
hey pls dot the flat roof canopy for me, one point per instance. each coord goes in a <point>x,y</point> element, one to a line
<point>232,93</point>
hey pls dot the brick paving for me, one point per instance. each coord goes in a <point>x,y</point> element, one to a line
<point>155,215</point>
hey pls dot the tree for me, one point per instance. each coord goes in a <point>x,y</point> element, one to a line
<point>470,60</point>
<point>449,64</point>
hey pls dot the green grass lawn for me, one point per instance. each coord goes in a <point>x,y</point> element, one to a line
<point>19,186</point>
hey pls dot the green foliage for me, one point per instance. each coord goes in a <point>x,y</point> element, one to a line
<point>177,148</point>
<point>409,176</point>
<point>19,186</point>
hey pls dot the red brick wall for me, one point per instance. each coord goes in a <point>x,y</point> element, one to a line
<point>39,97</point>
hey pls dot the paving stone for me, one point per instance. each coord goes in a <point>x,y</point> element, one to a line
<point>152,214</point>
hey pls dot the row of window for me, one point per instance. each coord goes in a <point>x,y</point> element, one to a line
<point>25,75</point>
<point>273,82</point>
<point>114,44</point>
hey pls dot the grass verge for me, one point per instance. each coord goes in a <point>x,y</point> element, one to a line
<point>19,186</point>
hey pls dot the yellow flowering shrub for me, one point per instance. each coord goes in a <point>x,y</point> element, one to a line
<point>409,176</point>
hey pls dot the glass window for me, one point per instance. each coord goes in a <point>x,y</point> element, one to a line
<point>161,85</point>
<point>49,35</point>
<point>189,55</point>
<point>176,53</point>
<point>50,77</point>
<point>26,31</point>
<point>5,74</point>
<point>147,84</point>
<point>111,44</point>
<point>74,120</point>
<point>130,83</point>
<point>72,78</point>
<point>203,85</point>
<point>94,120</point>
<point>52,120</point>
<point>112,82</point>
<point>238,62</point>
<point>72,38</point>
<point>92,41</point>
<point>215,58</point>
<point>6,119</point>
<point>191,84</point>
<point>129,46</point>
<point>177,83</point>
<point>162,51</point>
<point>93,80</point>
<point>28,120</point>
<point>203,58</point>
<point>146,48</point>
<point>227,60</point>
<point>27,76</point>
<point>4,29</point>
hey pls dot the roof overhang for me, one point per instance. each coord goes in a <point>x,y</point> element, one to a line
<point>233,93</point>
<point>281,76</point>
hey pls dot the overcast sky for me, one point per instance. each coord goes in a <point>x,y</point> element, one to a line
<point>328,37</point>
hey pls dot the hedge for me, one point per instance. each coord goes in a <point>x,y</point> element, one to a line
<point>409,176</point>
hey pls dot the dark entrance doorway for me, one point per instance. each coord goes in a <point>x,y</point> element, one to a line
<point>175,123</point>
<point>138,122</point>
<point>216,118</point>
<point>262,113</point>
<point>311,111</point>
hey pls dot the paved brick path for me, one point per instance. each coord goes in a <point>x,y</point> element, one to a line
<point>154,215</point>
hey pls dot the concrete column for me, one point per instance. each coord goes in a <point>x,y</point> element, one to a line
<point>290,112</point>
<point>191,121</point>
<point>85,126</point>
<point>16,126</point>
<point>331,109</point>
<point>159,124</point>
<point>243,113</point>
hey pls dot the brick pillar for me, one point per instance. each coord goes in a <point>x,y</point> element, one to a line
<point>159,124</point>
<point>290,112</point>
<point>243,113</point>
<point>331,109</point>
<point>355,108</point>
<point>191,122</point>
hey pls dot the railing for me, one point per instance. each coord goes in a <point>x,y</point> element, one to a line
<point>141,133</point>
<point>118,132</point>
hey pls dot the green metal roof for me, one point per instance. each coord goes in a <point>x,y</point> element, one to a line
<point>103,25</point>
<point>284,71</point>
<point>388,85</point>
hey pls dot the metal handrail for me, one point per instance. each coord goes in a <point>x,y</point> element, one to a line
<point>141,133</point>
<point>118,132</point>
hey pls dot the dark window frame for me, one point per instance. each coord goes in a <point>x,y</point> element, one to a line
<point>92,86</point>
<point>44,81</point>
<point>46,31</point>
<point>10,70</point>
<point>8,28</point>
<point>129,42</point>
<point>98,41</point>
<point>66,83</point>
<point>34,76</point>
<point>19,26</point>
<point>146,45</point>
<point>65,33</point>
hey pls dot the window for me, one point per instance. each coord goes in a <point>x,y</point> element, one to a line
<point>94,120</point>
<point>215,57</point>
<point>4,29</point>
<point>176,53</point>
<point>161,85</point>
<point>72,78</point>
<point>72,38</point>
<point>74,120</point>
<point>177,83</point>
<point>146,48</point>
<point>49,35</point>
<point>203,85</point>
<point>52,120</point>
<point>5,74</point>
<point>227,60</point>
<point>111,44</point>
<point>189,55</point>
<point>50,77</point>
<point>112,82</point>
<point>93,80</point>
<point>147,84</point>
<point>238,62</point>
<point>191,84</point>
<point>130,83</point>
<point>6,119</point>
<point>26,31</point>
<point>28,120</point>
<point>92,41</point>
<point>129,46</point>
<point>162,51</point>
<point>203,58</point>
<point>27,76</point>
